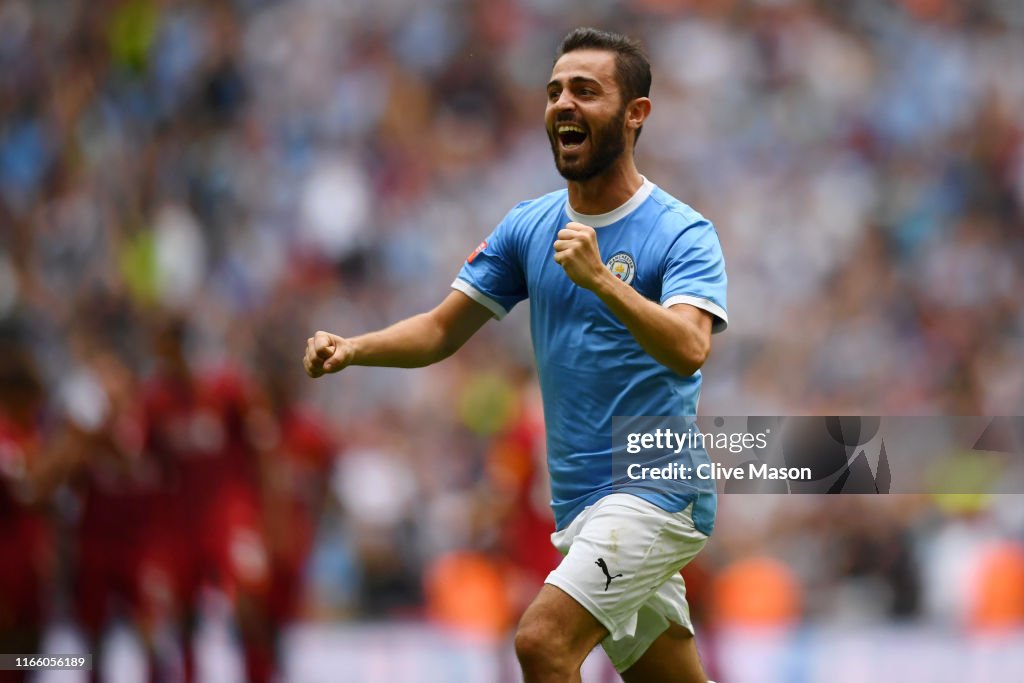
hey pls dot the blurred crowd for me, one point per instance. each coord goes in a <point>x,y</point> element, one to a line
<point>189,189</point>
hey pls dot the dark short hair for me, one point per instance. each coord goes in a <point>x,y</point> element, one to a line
<point>632,67</point>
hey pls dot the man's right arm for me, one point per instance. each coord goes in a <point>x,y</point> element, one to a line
<point>412,343</point>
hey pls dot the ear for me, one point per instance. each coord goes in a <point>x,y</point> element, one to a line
<point>637,112</point>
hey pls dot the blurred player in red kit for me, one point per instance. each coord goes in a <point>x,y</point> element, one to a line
<point>25,539</point>
<point>517,496</point>
<point>202,424</point>
<point>125,548</point>
<point>298,454</point>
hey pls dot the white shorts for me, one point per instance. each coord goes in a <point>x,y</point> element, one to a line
<point>622,562</point>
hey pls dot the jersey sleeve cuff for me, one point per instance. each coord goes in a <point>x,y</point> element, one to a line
<point>479,297</point>
<point>721,317</point>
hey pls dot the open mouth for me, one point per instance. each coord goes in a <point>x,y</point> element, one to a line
<point>570,135</point>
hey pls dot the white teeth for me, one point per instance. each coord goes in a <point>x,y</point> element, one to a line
<point>570,128</point>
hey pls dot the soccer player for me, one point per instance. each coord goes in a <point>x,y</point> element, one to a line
<point>626,285</point>
<point>200,425</point>
<point>26,539</point>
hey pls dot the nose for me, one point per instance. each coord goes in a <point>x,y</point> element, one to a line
<point>564,102</point>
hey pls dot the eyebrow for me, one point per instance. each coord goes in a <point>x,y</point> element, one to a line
<point>575,80</point>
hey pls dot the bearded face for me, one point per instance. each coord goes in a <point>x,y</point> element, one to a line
<point>585,149</point>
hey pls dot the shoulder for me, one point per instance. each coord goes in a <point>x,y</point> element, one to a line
<point>674,224</point>
<point>675,215</point>
<point>523,222</point>
<point>532,209</point>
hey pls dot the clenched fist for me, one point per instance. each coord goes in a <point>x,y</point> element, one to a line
<point>326,353</point>
<point>576,251</point>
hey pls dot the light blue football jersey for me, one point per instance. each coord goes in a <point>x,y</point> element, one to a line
<point>590,366</point>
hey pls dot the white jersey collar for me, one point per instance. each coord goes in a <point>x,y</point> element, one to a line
<point>602,219</point>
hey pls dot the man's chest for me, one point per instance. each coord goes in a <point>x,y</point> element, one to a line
<point>625,254</point>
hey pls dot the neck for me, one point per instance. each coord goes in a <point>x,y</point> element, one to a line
<point>607,191</point>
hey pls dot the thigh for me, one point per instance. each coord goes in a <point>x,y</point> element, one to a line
<point>563,622</point>
<point>665,608</point>
<point>621,556</point>
<point>671,658</point>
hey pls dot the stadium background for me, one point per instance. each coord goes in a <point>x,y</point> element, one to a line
<point>221,178</point>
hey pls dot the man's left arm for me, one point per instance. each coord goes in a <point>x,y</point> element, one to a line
<point>678,337</point>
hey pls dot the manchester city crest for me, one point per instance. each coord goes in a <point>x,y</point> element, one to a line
<point>622,266</point>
